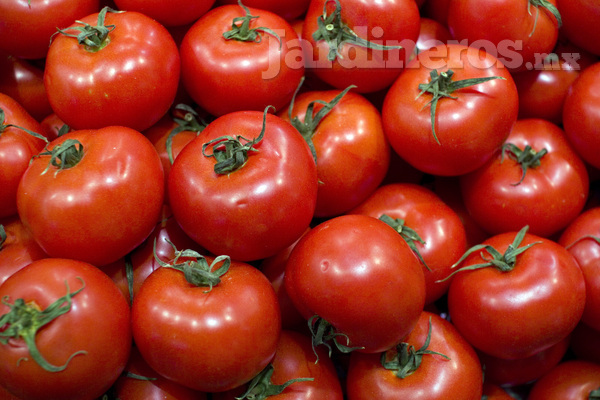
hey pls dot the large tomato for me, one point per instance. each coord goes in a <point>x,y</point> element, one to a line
<point>236,59</point>
<point>440,121</point>
<point>254,206</point>
<point>66,331</point>
<point>433,362</point>
<point>517,307</point>
<point>537,179</point>
<point>580,23</point>
<point>569,380</point>
<point>210,335</point>
<point>342,41</point>
<point>125,73</point>
<point>97,200</point>
<point>360,278</point>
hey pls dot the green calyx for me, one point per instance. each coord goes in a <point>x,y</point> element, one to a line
<point>195,267</point>
<point>190,122</point>
<point>526,158</point>
<point>503,262</point>
<point>24,320</point>
<point>229,151</point>
<point>323,332</point>
<point>441,85</point>
<point>308,127</point>
<point>407,359</point>
<point>336,33</point>
<point>4,126</point>
<point>3,236</point>
<point>594,394</point>
<point>63,156</point>
<point>548,6</point>
<point>261,387</point>
<point>94,38</point>
<point>409,235</point>
<point>241,31</point>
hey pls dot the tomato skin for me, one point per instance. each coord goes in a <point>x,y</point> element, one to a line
<point>350,135</point>
<point>470,128</point>
<point>581,114</point>
<point>97,322</point>
<point>139,67</point>
<point>274,193</point>
<point>460,377</point>
<point>356,273</point>
<point>549,197</point>
<point>103,207</point>
<point>435,222</point>
<point>495,392</point>
<point>518,313</point>
<point>218,340</point>
<point>289,10</point>
<point>386,22</point>
<point>570,380</point>
<point>172,13</point>
<point>16,149</point>
<point>580,23</point>
<point>432,33</point>
<point>224,76</point>
<point>587,253</point>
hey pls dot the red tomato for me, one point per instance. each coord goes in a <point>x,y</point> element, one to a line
<point>431,34</point>
<point>411,371</point>
<point>469,128</point>
<point>252,212</point>
<point>17,247</point>
<point>581,114</point>
<point>522,309</point>
<point>570,380</point>
<point>17,146</point>
<point>290,9</point>
<point>30,40</point>
<point>253,69</point>
<point>349,135</point>
<point>130,78</point>
<point>581,239</point>
<point>208,339</point>
<point>356,273</point>
<point>515,31</point>
<point>53,126</point>
<point>541,183</point>
<point>494,392</point>
<point>295,359</point>
<point>580,23</point>
<point>103,200</point>
<point>427,223</point>
<point>85,343</point>
<point>337,56</point>
<point>140,382</point>
<point>168,13</point>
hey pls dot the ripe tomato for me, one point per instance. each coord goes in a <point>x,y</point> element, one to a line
<point>256,210</point>
<point>290,9</point>
<point>433,362</point>
<point>580,23</point>
<point>249,71</point>
<point>171,13</point>
<point>569,380</point>
<point>128,78</point>
<point>349,135</point>
<point>97,203</point>
<point>339,54</point>
<point>425,222</point>
<point>453,135</point>
<point>541,182</point>
<point>208,339</point>
<point>581,114</point>
<point>356,273</point>
<point>518,308</point>
<point>86,336</point>
<point>17,146</point>
<point>431,34</point>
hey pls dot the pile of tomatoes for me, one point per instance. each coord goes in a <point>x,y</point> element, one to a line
<point>302,199</point>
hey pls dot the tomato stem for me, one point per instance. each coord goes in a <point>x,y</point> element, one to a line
<point>24,320</point>
<point>548,6</point>
<point>323,332</point>
<point>335,32</point>
<point>441,85</point>
<point>261,387</point>
<point>3,236</point>
<point>594,394</point>
<point>94,38</point>
<point>4,126</point>
<point>229,151</point>
<point>503,262</point>
<point>190,122</point>
<point>64,155</point>
<point>406,359</point>
<point>526,158</point>
<point>409,235</point>
<point>241,31</point>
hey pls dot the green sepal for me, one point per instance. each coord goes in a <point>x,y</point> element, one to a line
<point>261,387</point>
<point>240,29</point>
<point>323,332</point>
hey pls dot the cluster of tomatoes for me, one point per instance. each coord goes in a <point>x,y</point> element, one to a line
<point>302,199</point>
